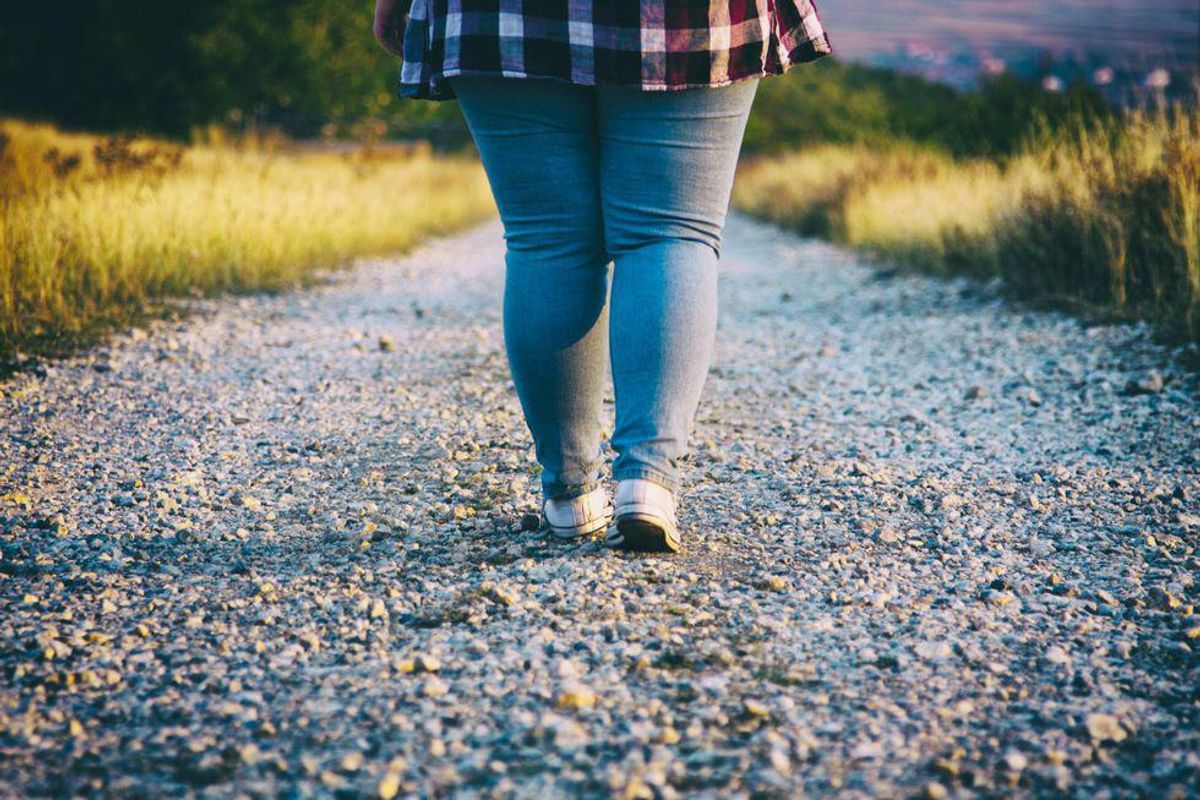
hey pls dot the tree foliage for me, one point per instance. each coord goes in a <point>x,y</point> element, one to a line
<point>834,102</point>
<point>165,67</point>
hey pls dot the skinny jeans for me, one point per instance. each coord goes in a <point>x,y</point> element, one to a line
<point>613,201</point>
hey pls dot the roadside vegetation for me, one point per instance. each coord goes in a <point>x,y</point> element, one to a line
<point>98,230</point>
<point>1069,203</point>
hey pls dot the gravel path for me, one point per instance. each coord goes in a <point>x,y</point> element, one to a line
<point>933,544</point>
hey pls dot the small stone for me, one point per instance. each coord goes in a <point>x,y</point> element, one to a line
<point>1190,522</point>
<point>567,733</point>
<point>1163,599</point>
<point>1057,655</point>
<point>435,687</point>
<point>887,534</point>
<point>1001,598</point>
<point>1104,728</point>
<point>379,609</point>
<point>387,344</point>
<point>498,593</point>
<point>1015,760</point>
<point>576,696</point>
<point>935,791</point>
<point>780,762</point>
<point>974,393</point>
<point>352,762</point>
<point>426,663</point>
<point>754,708</point>
<point>1192,633</point>
<point>1151,383</point>
<point>530,521</point>
<point>774,583</point>
<point>867,750</point>
<point>389,786</point>
<point>861,469</point>
<point>952,501</point>
<point>251,504</point>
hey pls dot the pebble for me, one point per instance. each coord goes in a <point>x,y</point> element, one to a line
<point>1152,383</point>
<point>756,709</point>
<point>935,791</point>
<point>576,696</point>
<point>1104,728</point>
<point>389,786</point>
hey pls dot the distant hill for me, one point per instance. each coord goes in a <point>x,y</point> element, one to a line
<point>1131,33</point>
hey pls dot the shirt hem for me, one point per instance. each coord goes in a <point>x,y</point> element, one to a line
<point>436,88</point>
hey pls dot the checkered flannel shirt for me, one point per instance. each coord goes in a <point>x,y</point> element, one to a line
<point>651,44</point>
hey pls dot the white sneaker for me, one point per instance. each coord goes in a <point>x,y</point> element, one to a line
<point>578,516</point>
<point>645,518</point>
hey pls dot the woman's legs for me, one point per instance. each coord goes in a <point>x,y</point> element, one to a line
<point>582,176</point>
<point>667,161</point>
<point>539,147</point>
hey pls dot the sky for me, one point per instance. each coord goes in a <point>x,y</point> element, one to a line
<point>1142,31</point>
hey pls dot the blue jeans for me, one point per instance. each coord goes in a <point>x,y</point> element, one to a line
<point>587,176</point>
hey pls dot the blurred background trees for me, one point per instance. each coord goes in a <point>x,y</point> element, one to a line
<point>310,67</point>
<point>165,67</point>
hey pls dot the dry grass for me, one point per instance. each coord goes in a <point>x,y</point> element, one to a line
<point>94,230</point>
<point>1106,220</point>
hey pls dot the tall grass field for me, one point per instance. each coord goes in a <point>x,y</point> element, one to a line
<point>1102,217</point>
<point>97,230</point>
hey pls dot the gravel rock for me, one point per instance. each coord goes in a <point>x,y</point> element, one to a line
<point>1152,383</point>
<point>266,554</point>
<point>1104,728</point>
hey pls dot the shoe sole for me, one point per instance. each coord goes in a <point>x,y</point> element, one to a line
<point>642,533</point>
<point>595,526</point>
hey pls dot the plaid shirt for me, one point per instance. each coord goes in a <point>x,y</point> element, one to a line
<point>651,44</point>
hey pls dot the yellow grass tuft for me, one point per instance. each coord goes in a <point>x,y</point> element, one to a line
<point>93,228</point>
<point>1104,219</point>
